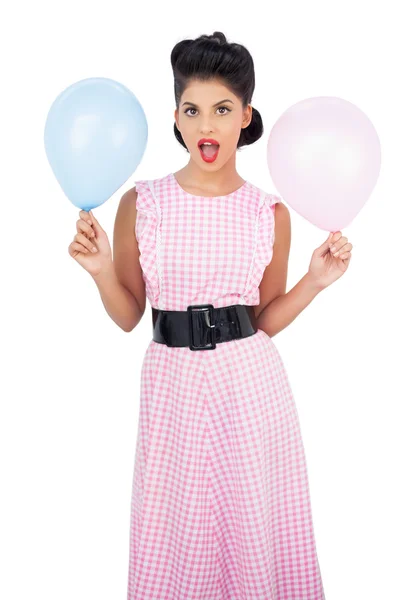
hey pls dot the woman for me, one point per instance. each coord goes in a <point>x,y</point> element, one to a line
<point>220,499</point>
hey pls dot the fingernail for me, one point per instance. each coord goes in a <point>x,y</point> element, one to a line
<point>94,249</point>
<point>90,222</point>
<point>333,249</point>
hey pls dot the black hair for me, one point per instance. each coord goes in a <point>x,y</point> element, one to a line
<point>212,57</point>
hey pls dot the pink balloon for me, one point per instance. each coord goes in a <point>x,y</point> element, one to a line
<point>324,157</point>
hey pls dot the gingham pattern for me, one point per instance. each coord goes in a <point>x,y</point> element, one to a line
<point>220,498</point>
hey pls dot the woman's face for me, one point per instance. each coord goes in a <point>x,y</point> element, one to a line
<point>209,110</point>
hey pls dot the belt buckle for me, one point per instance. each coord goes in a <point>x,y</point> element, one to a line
<point>209,314</point>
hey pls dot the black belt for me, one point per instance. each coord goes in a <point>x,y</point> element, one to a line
<point>202,326</point>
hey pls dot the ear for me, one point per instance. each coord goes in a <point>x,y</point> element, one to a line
<point>247,116</point>
<point>176,115</point>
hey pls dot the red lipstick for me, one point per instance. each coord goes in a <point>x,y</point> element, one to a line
<point>208,157</point>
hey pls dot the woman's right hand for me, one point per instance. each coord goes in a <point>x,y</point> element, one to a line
<point>90,235</point>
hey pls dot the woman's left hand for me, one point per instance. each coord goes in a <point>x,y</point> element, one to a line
<point>330,261</point>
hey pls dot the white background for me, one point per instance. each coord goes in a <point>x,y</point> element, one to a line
<point>71,378</point>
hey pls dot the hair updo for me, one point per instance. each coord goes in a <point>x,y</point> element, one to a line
<point>212,57</point>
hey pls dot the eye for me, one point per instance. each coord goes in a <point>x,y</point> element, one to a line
<point>225,107</point>
<point>219,108</point>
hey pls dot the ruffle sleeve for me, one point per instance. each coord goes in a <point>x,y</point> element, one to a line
<point>146,235</point>
<point>272,201</point>
<point>264,242</point>
<point>145,207</point>
<point>266,233</point>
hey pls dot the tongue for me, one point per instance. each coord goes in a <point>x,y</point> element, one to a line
<point>209,151</point>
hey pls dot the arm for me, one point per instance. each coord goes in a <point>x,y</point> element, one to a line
<point>278,308</point>
<point>121,285</point>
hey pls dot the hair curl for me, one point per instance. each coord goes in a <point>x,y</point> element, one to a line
<point>212,57</point>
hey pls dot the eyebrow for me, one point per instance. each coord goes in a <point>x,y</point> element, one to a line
<point>216,104</point>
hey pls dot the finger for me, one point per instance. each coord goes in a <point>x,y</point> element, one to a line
<point>345,259</point>
<point>82,239</point>
<point>335,237</point>
<point>75,247</point>
<point>96,225</point>
<point>83,226</point>
<point>324,247</point>
<point>339,243</point>
<point>85,216</point>
<point>338,250</point>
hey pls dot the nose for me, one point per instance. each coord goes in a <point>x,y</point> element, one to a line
<point>206,128</point>
<point>207,132</point>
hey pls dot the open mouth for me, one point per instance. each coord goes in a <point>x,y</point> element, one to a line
<point>209,152</point>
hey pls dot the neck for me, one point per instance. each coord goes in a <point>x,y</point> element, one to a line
<point>208,180</point>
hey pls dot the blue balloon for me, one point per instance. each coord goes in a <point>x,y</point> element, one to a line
<point>95,137</point>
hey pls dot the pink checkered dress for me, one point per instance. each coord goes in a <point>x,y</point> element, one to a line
<point>220,497</point>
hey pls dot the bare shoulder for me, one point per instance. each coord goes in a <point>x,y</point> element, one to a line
<point>126,250</point>
<point>126,212</point>
<point>131,192</point>
<point>274,280</point>
<point>282,223</point>
<point>129,197</point>
<point>282,212</point>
